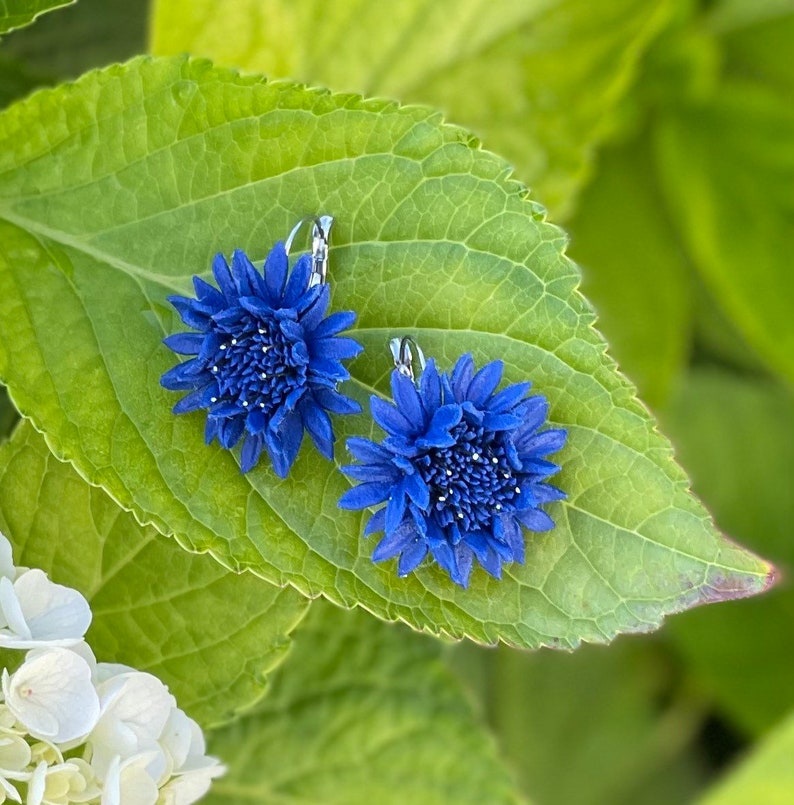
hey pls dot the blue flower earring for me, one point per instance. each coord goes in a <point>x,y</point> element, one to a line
<point>267,360</point>
<point>462,469</point>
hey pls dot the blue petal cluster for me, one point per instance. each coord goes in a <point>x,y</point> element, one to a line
<point>267,359</point>
<point>462,469</point>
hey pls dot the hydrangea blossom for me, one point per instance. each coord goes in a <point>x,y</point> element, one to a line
<point>36,612</point>
<point>267,360</point>
<point>126,738</point>
<point>462,469</point>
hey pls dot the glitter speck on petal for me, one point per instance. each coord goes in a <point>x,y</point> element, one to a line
<point>265,359</point>
<point>442,500</point>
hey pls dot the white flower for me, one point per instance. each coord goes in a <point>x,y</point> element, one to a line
<point>62,783</point>
<point>52,695</point>
<point>193,770</point>
<point>35,612</point>
<point>129,782</point>
<point>135,710</point>
<point>14,758</point>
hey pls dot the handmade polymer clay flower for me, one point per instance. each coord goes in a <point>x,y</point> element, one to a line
<point>266,359</point>
<point>462,470</point>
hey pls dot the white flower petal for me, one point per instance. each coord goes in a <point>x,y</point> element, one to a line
<point>191,786</point>
<point>9,791</point>
<point>54,614</point>
<point>7,568</point>
<point>36,784</point>
<point>135,710</point>
<point>128,782</point>
<point>13,621</point>
<point>53,696</point>
<point>14,753</point>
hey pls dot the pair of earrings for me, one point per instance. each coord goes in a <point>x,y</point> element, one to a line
<point>463,467</point>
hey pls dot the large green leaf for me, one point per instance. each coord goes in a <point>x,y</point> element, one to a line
<point>600,726</point>
<point>735,437</point>
<point>129,181</point>
<point>766,777</point>
<point>360,712</point>
<point>538,80</point>
<point>208,634</point>
<point>18,13</point>
<point>727,169</point>
<point>634,270</point>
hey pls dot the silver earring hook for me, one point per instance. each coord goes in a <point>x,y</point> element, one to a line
<point>321,232</point>
<point>402,350</point>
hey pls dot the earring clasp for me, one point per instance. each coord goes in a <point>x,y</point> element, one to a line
<point>402,350</point>
<point>321,232</point>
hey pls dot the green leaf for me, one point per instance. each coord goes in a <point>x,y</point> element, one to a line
<point>18,13</point>
<point>360,712</point>
<point>730,15</point>
<point>634,271</point>
<point>209,635</point>
<point>537,80</point>
<point>727,171</point>
<point>125,186</point>
<point>596,727</point>
<point>734,436</point>
<point>765,777</point>
<point>88,34</point>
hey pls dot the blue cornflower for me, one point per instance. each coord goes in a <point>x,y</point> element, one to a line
<point>267,359</point>
<point>462,469</point>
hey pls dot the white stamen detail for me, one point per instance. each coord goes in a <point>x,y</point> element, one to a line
<point>214,368</point>
<point>441,498</point>
<point>505,475</point>
<point>223,346</point>
<point>234,342</point>
<point>498,507</point>
<point>518,490</point>
<point>213,399</point>
<point>261,331</point>
<point>475,456</point>
<point>494,460</point>
<point>261,405</point>
<point>449,473</point>
<point>460,515</point>
<point>245,403</point>
<point>265,349</point>
<point>263,375</point>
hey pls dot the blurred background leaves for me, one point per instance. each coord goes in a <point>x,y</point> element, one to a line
<point>661,134</point>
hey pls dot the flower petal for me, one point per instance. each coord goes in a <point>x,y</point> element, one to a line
<point>396,542</point>
<point>223,276</point>
<point>430,388</point>
<point>438,433</point>
<point>298,281</point>
<point>52,695</point>
<point>508,397</point>
<point>252,449</point>
<point>461,376</point>
<point>185,343</point>
<point>485,382</point>
<point>276,266</point>
<point>389,417</point>
<point>318,424</point>
<point>336,347</point>
<point>411,556</point>
<point>244,274</point>
<point>365,495</point>
<point>334,324</point>
<point>406,398</point>
<point>335,402</point>
<point>535,520</point>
